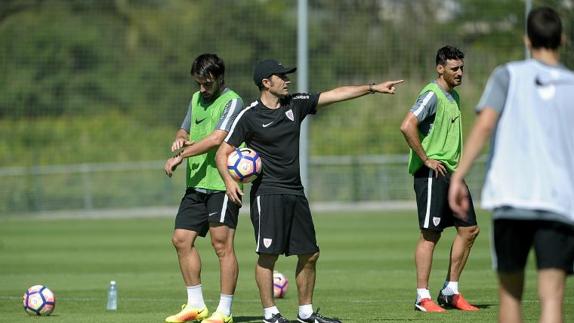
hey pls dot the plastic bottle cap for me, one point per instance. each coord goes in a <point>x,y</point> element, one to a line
<point>113,282</point>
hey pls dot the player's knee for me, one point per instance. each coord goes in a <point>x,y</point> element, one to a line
<point>468,234</point>
<point>315,257</point>
<point>180,243</point>
<point>472,232</point>
<point>221,248</point>
<point>311,259</point>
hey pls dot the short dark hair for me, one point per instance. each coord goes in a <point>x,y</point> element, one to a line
<point>448,52</point>
<point>544,28</point>
<point>207,65</point>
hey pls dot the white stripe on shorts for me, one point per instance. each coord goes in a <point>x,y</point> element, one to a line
<point>259,222</point>
<point>429,194</point>
<point>223,209</point>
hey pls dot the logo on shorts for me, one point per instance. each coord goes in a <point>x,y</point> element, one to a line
<point>290,115</point>
<point>435,220</point>
<point>267,242</point>
<point>213,213</point>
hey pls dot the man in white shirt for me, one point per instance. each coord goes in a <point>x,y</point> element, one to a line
<point>529,183</point>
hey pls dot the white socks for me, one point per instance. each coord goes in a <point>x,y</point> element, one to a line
<point>305,311</point>
<point>195,300</point>
<point>268,312</point>
<point>450,288</point>
<point>224,306</point>
<point>422,293</point>
<point>195,297</point>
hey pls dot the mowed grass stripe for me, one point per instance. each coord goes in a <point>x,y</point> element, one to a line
<point>365,274</point>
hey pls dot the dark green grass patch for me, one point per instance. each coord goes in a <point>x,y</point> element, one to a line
<point>365,274</point>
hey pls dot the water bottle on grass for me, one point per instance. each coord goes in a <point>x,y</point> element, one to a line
<point>112,297</point>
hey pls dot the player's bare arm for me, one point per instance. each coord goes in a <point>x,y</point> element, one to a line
<point>410,131</point>
<point>458,193</point>
<point>194,149</point>
<point>181,140</point>
<point>232,187</point>
<point>344,93</point>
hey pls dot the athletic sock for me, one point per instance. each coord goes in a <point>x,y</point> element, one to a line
<point>224,306</point>
<point>450,288</point>
<point>195,297</point>
<point>422,293</point>
<point>305,311</point>
<point>268,312</point>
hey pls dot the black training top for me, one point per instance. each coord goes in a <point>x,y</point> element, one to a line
<point>274,134</point>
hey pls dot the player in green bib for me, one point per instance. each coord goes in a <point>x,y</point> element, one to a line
<point>205,206</point>
<point>432,128</point>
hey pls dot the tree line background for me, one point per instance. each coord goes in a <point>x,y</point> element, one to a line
<point>107,81</point>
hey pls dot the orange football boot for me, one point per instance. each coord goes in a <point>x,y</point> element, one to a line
<point>428,305</point>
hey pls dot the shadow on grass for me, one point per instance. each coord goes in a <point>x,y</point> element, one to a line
<point>481,306</point>
<point>426,317</point>
<point>484,305</point>
<point>247,319</point>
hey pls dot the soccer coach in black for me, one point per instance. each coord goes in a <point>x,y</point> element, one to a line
<point>279,209</point>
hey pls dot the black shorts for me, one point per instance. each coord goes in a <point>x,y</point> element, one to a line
<point>197,210</point>
<point>283,225</point>
<point>512,240</point>
<point>432,202</point>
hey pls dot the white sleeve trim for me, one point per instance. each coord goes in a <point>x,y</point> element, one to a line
<point>237,119</point>
<point>426,100</point>
<point>229,115</point>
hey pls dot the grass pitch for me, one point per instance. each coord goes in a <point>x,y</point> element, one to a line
<point>365,273</point>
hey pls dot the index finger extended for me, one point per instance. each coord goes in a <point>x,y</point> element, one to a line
<point>396,82</point>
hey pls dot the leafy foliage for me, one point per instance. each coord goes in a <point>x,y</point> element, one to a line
<point>68,63</point>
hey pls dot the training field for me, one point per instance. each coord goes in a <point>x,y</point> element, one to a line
<point>366,270</point>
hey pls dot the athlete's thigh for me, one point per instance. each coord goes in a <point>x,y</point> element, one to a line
<point>270,218</point>
<point>192,214</point>
<point>512,240</point>
<point>222,210</point>
<point>302,238</point>
<point>554,246</point>
<point>432,200</point>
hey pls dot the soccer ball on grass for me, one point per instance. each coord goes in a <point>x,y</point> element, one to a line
<point>280,284</point>
<point>244,165</point>
<point>39,300</point>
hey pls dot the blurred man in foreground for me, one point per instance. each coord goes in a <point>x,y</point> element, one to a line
<point>530,177</point>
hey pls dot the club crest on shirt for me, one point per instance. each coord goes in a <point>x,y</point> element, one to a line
<point>435,220</point>
<point>267,242</point>
<point>290,115</point>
